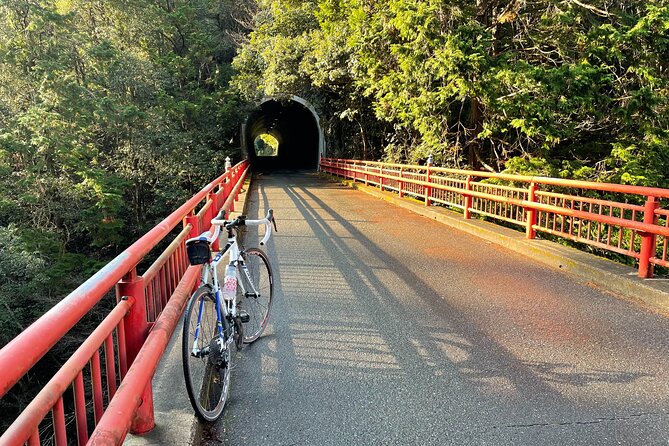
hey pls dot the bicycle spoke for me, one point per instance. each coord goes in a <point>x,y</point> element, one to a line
<point>256,276</point>
<point>206,365</point>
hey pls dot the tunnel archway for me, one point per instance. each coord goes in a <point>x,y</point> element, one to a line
<point>295,126</point>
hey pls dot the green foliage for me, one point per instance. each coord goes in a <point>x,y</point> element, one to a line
<point>23,276</point>
<point>111,115</point>
<point>530,166</point>
<point>479,84</point>
<point>35,270</point>
<point>266,145</point>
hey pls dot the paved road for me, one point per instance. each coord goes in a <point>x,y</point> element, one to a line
<point>391,329</point>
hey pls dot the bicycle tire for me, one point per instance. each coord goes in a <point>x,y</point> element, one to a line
<point>258,307</point>
<point>207,377</point>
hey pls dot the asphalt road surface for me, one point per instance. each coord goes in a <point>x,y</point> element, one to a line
<point>391,329</point>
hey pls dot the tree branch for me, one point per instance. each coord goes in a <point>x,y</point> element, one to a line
<point>599,12</point>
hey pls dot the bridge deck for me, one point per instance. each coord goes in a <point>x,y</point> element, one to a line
<point>390,328</point>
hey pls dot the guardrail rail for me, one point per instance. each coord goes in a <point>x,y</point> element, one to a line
<point>120,357</point>
<point>628,220</point>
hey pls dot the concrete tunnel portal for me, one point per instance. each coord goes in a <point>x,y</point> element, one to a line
<point>282,135</point>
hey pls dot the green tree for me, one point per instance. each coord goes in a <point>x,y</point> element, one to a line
<point>582,86</point>
<point>111,115</point>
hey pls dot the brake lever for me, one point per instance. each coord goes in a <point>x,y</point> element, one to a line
<point>274,222</point>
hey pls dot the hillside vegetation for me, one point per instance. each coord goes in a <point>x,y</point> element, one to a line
<point>112,114</point>
<point>572,88</point>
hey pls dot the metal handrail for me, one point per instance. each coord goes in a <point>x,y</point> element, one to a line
<point>575,184</point>
<point>132,330</point>
<point>643,228</point>
<point>117,419</point>
<point>16,359</point>
<point>25,425</point>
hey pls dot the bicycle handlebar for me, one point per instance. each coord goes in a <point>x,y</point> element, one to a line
<point>242,221</point>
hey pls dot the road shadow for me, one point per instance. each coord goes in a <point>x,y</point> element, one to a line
<point>343,339</point>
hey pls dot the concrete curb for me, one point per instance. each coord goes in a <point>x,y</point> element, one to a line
<point>618,279</point>
<point>176,423</point>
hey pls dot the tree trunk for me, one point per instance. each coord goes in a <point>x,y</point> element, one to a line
<point>476,124</point>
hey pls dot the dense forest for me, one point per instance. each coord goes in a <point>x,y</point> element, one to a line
<point>113,112</point>
<point>568,88</point>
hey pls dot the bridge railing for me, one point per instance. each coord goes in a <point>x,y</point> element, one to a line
<point>628,220</point>
<point>132,337</point>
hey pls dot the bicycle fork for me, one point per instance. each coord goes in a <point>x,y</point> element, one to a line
<point>222,345</point>
<point>199,352</point>
<point>254,292</point>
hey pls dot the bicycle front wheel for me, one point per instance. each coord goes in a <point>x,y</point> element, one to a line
<point>257,288</point>
<point>206,356</point>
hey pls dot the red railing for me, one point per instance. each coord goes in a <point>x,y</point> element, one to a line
<point>133,336</point>
<point>627,220</point>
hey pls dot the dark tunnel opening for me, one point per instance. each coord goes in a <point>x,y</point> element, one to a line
<point>281,136</point>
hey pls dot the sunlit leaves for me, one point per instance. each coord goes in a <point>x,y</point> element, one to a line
<point>109,112</point>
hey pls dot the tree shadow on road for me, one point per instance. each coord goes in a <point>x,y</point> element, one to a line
<point>355,330</point>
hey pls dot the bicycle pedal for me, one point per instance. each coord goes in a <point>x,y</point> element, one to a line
<point>244,316</point>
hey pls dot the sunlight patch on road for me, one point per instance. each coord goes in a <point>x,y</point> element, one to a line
<point>454,347</point>
<point>423,352</point>
<point>269,367</point>
<point>497,385</point>
<point>341,346</point>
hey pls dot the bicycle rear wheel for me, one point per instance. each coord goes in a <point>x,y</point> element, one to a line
<point>206,362</point>
<point>257,292</point>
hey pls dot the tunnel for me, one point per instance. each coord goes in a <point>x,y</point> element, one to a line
<point>283,135</point>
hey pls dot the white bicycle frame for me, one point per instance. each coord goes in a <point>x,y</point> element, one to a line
<point>211,268</point>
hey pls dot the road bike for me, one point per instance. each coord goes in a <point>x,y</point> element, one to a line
<point>217,316</point>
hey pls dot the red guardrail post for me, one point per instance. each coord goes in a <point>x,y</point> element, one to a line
<point>401,188</point>
<point>230,183</point>
<point>428,189</point>
<point>211,212</point>
<point>227,187</point>
<point>531,214</point>
<point>468,198</point>
<point>136,331</point>
<point>381,177</point>
<point>191,219</point>
<point>235,177</point>
<point>647,239</point>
